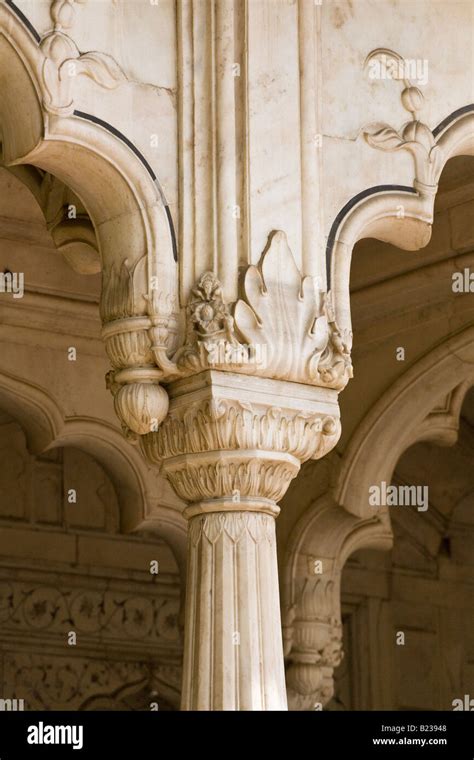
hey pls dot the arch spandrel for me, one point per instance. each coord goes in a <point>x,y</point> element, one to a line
<point>118,188</point>
<point>398,214</point>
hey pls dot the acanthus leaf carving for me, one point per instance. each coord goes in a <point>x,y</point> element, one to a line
<point>234,525</point>
<point>233,425</point>
<point>100,67</point>
<point>283,326</point>
<point>216,447</point>
<point>281,310</point>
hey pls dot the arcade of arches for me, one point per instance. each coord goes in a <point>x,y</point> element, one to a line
<point>219,338</point>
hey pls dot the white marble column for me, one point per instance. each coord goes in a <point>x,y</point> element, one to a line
<point>230,445</point>
<point>233,657</point>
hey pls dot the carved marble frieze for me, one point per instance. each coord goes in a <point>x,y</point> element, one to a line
<point>282,327</point>
<point>96,614</point>
<point>78,683</point>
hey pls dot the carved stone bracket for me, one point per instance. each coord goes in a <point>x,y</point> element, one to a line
<point>282,327</point>
<point>312,635</point>
<point>136,318</point>
<point>317,549</point>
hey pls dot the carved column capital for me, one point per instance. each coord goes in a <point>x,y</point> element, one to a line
<point>230,442</point>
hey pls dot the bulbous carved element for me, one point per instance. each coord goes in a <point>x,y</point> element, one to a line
<point>312,634</point>
<point>309,686</point>
<point>63,13</point>
<point>141,407</point>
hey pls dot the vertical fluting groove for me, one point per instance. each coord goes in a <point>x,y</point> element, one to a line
<point>309,146</point>
<point>237,650</point>
<point>186,136</point>
<point>233,569</point>
<point>212,607</point>
<point>241,131</point>
<point>202,256</point>
<point>321,252</point>
<point>213,141</point>
<point>260,632</point>
<point>205,627</point>
<point>246,172</point>
<point>213,122</point>
<point>189,658</point>
<point>226,148</point>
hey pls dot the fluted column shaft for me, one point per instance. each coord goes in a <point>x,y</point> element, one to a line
<point>233,656</point>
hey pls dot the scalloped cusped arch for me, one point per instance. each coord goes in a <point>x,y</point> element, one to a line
<point>46,427</point>
<point>376,212</point>
<point>108,173</point>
